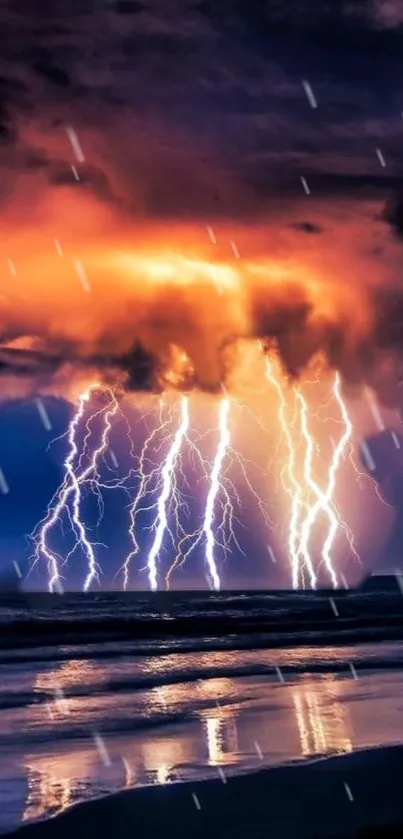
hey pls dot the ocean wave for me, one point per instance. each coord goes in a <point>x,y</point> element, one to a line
<point>50,627</point>
<point>59,648</point>
<point>122,725</point>
<point>142,682</point>
<point>38,610</point>
<point>76,626</point>
<point>70,729</point>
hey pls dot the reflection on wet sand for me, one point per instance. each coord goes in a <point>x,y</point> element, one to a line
<point>70,674</point>
<point>301,719</point>
<point>157,758</point>
<point>322,720</point>
<point>56,782</point>
<point>163,774</point>
<point>221,737</point>
<point>50,779</point>
<point>49,789</point>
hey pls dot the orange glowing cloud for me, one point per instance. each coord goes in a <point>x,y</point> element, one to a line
<point>147,304</point>
<point>93,284</point>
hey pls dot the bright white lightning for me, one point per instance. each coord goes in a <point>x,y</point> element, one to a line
<point>92,470</point>
<point>167,476</point>
<point>219,485</point>
<point>54,512</point>
<point>214,489</point>
<point>294,489</point>
<point>225,533</point>
<point>337,457</point>
<point>324,500</point>
<point>143,491</point>
<point>72,485</point>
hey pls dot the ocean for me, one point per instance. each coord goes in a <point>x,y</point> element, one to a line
<point>101,692</point>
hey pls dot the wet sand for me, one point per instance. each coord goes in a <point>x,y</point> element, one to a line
<point>329,797</point>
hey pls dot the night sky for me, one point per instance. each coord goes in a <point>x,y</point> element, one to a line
<point>194,114</point>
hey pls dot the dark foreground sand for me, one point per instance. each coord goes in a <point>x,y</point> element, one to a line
<point>293,802</point>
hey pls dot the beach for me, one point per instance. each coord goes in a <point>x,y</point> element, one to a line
<point>302,729</point>
<point>330,797</point>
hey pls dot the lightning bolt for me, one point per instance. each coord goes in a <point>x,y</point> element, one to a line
<point>364,476</point>
<point>324,499</point>
<point>93,571</point>
<point>71,491</point>
<point>338,455</point>
<point>220,487</point>
<point>294,488</point>
<point>157,488</point>
<point>58,502</point>
<point>144,489</point>
<point>214,489</point>
<point>161,524</point>
<point>304,511</point>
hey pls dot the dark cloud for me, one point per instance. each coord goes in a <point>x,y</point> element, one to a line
<point>393,214</point>
<point>128,7</point>
<point>55,75</point>
<point>35,369</point>
<point>12,95</point>
<point>388,304</point>
<point>91,178</point>
<point>352,186</point>
<point>138,370</point>
<point>297,340</point>
<point>307,227</point>
<point>141,368</point>
<point>221,81</point>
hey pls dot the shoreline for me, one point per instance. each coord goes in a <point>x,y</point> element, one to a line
<point>327,797</point>
<point>336,631</point>
<point>274,619</point>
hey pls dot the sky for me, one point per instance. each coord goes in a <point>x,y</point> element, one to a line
<point>141,141</point>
